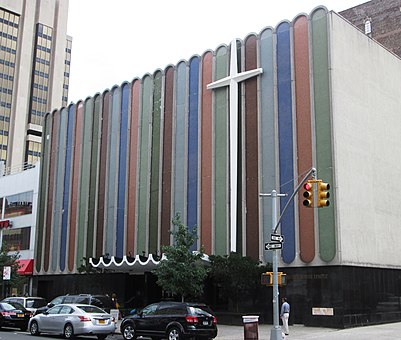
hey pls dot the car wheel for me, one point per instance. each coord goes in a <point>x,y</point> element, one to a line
<point>174,334</point>
<point>68,331</point>
<point>128,332</point>
<point>34,329</point>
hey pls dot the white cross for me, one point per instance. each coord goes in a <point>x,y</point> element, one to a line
<point>232,81</point>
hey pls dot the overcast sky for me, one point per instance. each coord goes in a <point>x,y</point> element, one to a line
<point>116,41</point>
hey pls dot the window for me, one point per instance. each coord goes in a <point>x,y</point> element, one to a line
<point>17,239</point>
<point>18,205</point>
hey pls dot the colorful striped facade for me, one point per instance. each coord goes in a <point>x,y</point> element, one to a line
<point>118,166</point>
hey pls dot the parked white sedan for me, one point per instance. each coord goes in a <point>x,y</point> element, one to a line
<point>73,319</point>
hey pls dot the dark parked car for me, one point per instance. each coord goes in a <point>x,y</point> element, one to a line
<point>14,315</point>
<point>171,320</point>
<point>101,301</point>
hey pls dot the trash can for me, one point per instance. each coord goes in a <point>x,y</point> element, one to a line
<point>251,327</point>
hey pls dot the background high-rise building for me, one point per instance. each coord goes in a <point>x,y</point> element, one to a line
<point>35,54</point>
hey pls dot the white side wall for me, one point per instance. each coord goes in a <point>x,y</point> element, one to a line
<point>366,98</point>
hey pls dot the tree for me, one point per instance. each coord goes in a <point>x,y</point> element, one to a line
<point>10,260</point>
<point>181,273</point>
<point>237,275</point>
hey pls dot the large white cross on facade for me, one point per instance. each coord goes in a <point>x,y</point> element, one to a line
<point>232,81</point>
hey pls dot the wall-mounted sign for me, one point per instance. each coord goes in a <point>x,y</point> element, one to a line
<point>6,273</point>
<point>5,224</point>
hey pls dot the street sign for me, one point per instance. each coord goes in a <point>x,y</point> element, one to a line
<point>273,245</point>
<point>277,237</point>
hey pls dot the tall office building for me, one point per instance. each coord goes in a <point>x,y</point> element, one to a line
<point>35,55</point>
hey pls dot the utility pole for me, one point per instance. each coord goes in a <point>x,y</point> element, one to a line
<point>276,333</point>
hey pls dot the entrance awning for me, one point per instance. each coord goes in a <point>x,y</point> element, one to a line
<point>137,264</point>
<point>26,267</point>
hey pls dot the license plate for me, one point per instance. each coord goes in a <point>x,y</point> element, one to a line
<point>20,315</point>
<point>205,323</point>
<point>102,322</point>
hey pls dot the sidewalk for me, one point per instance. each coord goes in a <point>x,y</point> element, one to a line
<point>385,331</point>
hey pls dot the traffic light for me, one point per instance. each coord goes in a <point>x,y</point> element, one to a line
<point>323,194</point>
<point>308,194</point>
<point>267,279</point>
<point>282,279</point>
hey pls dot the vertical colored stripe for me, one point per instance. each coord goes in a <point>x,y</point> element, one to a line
<point>180,124</point>
<point>94,171</point>
<point>285,128</point>
<point>58,192</point>
<point>76,231</point>
<point>267,138</point>
<point>221,170</point>
<point>102,174</point>
<point>84,180</point>
<point>122,170</point>
<point>112,171</point>
<point>193,148</point>
<point>304,133</point>
<point>66,187</point>
<point>43,190</point>
<point>133,168</point>
<point>206,165</point>
<point>167,156</point>
<point>251,151</point>
<point>50,195</point>
<point>155,165</point>
<point>144,165</point>
<point>324,162</point>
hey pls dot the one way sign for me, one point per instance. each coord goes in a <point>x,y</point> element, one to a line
<point>276,237</point>
<point>273,245</point>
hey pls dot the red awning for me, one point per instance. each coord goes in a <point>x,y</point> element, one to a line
<point>26,267</point>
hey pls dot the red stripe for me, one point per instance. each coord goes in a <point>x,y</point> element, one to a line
<point>251,151</point>
<point>304,133</point>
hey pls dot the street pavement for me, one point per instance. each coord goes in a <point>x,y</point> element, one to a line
<point>385,331</point>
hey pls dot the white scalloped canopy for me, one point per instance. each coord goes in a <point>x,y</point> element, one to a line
<point>137,264</point>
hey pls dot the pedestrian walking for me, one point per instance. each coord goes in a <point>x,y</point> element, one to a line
<point>285,315</point>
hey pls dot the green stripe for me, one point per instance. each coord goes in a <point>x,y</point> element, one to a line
<point>144,166</point>
<point>221,112</point>
<point>84,180</point>
<point>155,165</point>
<point>43,186</point>
<point>93,178</point>
<point>324,161</point>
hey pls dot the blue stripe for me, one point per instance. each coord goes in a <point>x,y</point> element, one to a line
<point>286,157</point>
<point>67,180</point>
<point>192,185</point>
<point>122,172</point>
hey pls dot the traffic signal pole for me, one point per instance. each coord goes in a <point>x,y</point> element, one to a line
<point>276,333</point>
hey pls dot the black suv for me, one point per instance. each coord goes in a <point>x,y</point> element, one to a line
<point>171,320</point>
<point>101,301</point>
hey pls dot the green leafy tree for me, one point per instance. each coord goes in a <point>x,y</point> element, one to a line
<point>182,273</point>
<point>237,275</point>
<point>10,260</point>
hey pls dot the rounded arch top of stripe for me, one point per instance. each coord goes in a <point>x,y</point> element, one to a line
<point>208,51</point>
<point>318,9</point>
<point>197,56</point>
<point>282,23</point>
<point>158,70</point>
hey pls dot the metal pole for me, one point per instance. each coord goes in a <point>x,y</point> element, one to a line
<point>276,330</point>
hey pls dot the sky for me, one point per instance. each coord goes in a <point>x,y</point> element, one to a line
<point>119,40</point>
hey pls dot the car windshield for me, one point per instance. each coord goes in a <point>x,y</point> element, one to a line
<point>35,303</point>
<point>91,309</point>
